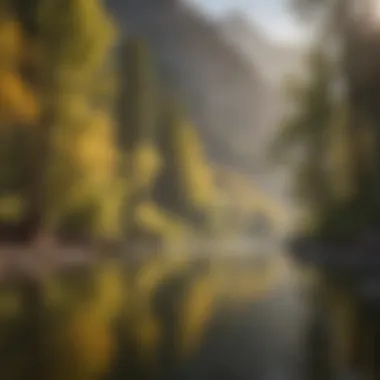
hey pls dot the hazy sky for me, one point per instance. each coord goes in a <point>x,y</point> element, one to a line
<point>272,15</point>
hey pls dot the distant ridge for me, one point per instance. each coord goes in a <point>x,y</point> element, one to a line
<point>274,59</point>
<point>229,97</point>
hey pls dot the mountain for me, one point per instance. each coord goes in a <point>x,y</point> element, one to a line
<point>225,94</point>
<point>221,72</point>
<point>273,60</point>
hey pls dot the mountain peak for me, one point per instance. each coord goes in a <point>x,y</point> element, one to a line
<point>238,18</point>
<point>275,59</point>
<point>225,94</point>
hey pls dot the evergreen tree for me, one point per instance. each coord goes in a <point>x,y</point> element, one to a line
<point>309,128</point>
<point>352,142</point>
<point>326,159</point>
<point>187,184</point>
<point>139,110</point>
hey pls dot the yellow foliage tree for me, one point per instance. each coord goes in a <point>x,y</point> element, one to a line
<point>75,154</point>
<point>197,176</point>
<point>18,103</point>
<point>87,181</point>
<point>186,184</point>
<point>18,108</point>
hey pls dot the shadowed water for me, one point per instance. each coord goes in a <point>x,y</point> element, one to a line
<point>211,319</point>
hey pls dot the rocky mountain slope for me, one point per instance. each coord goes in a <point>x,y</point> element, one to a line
<point>227,92</point>
<point>226,96</point>
<point>273,60</point>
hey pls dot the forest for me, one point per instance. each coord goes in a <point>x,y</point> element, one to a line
<point>97,148</point>
<point>99,158</point>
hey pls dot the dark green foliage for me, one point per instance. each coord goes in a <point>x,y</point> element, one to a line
<point>308,128</point>
<point>169,190</point>
<point>138,104</point>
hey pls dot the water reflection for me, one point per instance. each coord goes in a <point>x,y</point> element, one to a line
<point>165,319</point>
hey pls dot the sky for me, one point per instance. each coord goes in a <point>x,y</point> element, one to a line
<point>273,16</point>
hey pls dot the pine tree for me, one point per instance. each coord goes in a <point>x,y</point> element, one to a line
<point>187,184</point>
<point>17,98</point>
<point>139,95</point>
<point>138,122</point>
<point>308,128</point>
<point>336,173</point>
